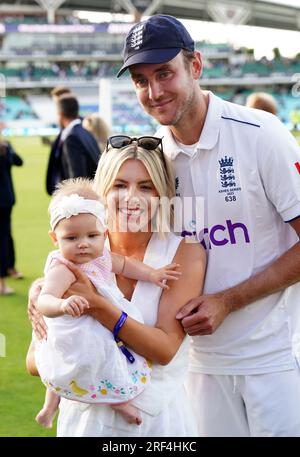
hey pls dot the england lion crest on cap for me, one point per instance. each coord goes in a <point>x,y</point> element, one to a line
<point>136,39</point>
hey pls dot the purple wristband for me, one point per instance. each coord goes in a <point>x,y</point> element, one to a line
<point>120,344</point>
<point>119,325</point>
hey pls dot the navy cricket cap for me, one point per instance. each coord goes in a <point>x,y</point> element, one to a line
<point>157,40</point>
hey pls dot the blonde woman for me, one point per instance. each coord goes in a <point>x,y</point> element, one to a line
<point>132,177</point>
<point>97,126</point>
<point>80,359</point>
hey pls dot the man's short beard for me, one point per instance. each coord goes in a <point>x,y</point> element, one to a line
<point>187,105</point>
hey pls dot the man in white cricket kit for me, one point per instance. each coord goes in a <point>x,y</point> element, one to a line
<point>245,378</point>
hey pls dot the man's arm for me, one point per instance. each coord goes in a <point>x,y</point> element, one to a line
<point>15,158</point>
<point>204,314</point>
<point>281,184</point>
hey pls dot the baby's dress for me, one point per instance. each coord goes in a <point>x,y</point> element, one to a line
<point>80,359</point>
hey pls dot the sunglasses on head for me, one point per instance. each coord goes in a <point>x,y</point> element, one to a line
<point>150,143</point>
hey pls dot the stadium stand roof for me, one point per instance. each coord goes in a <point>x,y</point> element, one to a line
<point>250,12</point>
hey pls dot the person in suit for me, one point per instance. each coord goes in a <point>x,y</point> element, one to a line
<point>52,176</point>
<point>78,152</point>
<point>8,157</point>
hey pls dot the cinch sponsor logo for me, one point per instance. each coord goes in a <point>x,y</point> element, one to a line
<point>219,235</point>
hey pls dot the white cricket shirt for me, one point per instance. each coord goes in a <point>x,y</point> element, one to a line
<point>246,167</point>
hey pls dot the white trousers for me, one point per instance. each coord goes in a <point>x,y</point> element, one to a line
<point>251,405</point>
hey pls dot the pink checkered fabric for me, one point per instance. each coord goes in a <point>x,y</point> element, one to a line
<point>98,270</point>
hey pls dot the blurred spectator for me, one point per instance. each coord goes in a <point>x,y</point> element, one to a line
<point>8,157</point>
<point>78,151</point>
<point>53,177</point>
<point>58,91</point>
<point>262,101</point>
<point>98,127</point>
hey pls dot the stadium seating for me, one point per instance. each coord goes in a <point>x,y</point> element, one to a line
<point>16,108</point>
<point>54,62</point>
<point>127,115</point>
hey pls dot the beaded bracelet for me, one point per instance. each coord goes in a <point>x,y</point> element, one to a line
<point>120,344</point>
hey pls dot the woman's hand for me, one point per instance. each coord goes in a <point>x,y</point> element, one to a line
<point>82,286</point>
<point>37,320</point>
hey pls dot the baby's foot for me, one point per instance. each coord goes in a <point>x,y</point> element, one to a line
<point>45,417</point>
<point>129,412</point>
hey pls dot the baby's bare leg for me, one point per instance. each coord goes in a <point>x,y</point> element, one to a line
<point>129,412</point>
<point>47,413</point>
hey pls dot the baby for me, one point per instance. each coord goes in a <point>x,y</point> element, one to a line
<point>81,360</point>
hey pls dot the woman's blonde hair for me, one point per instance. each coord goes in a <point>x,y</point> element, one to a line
<point>160,171</point>
<point>97,127</point>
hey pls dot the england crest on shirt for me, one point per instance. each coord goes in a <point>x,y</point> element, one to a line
<point>228,179</point>
<point>227,172</point>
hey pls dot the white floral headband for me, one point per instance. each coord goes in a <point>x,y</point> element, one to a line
<point>72,205</point>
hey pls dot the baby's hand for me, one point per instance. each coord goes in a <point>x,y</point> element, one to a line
<point>74,305</point>
<point>164,274</point>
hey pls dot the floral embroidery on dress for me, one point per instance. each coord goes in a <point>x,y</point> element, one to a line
<point>105,387</point>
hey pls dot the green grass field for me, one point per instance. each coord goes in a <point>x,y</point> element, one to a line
<point>21,395</point>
